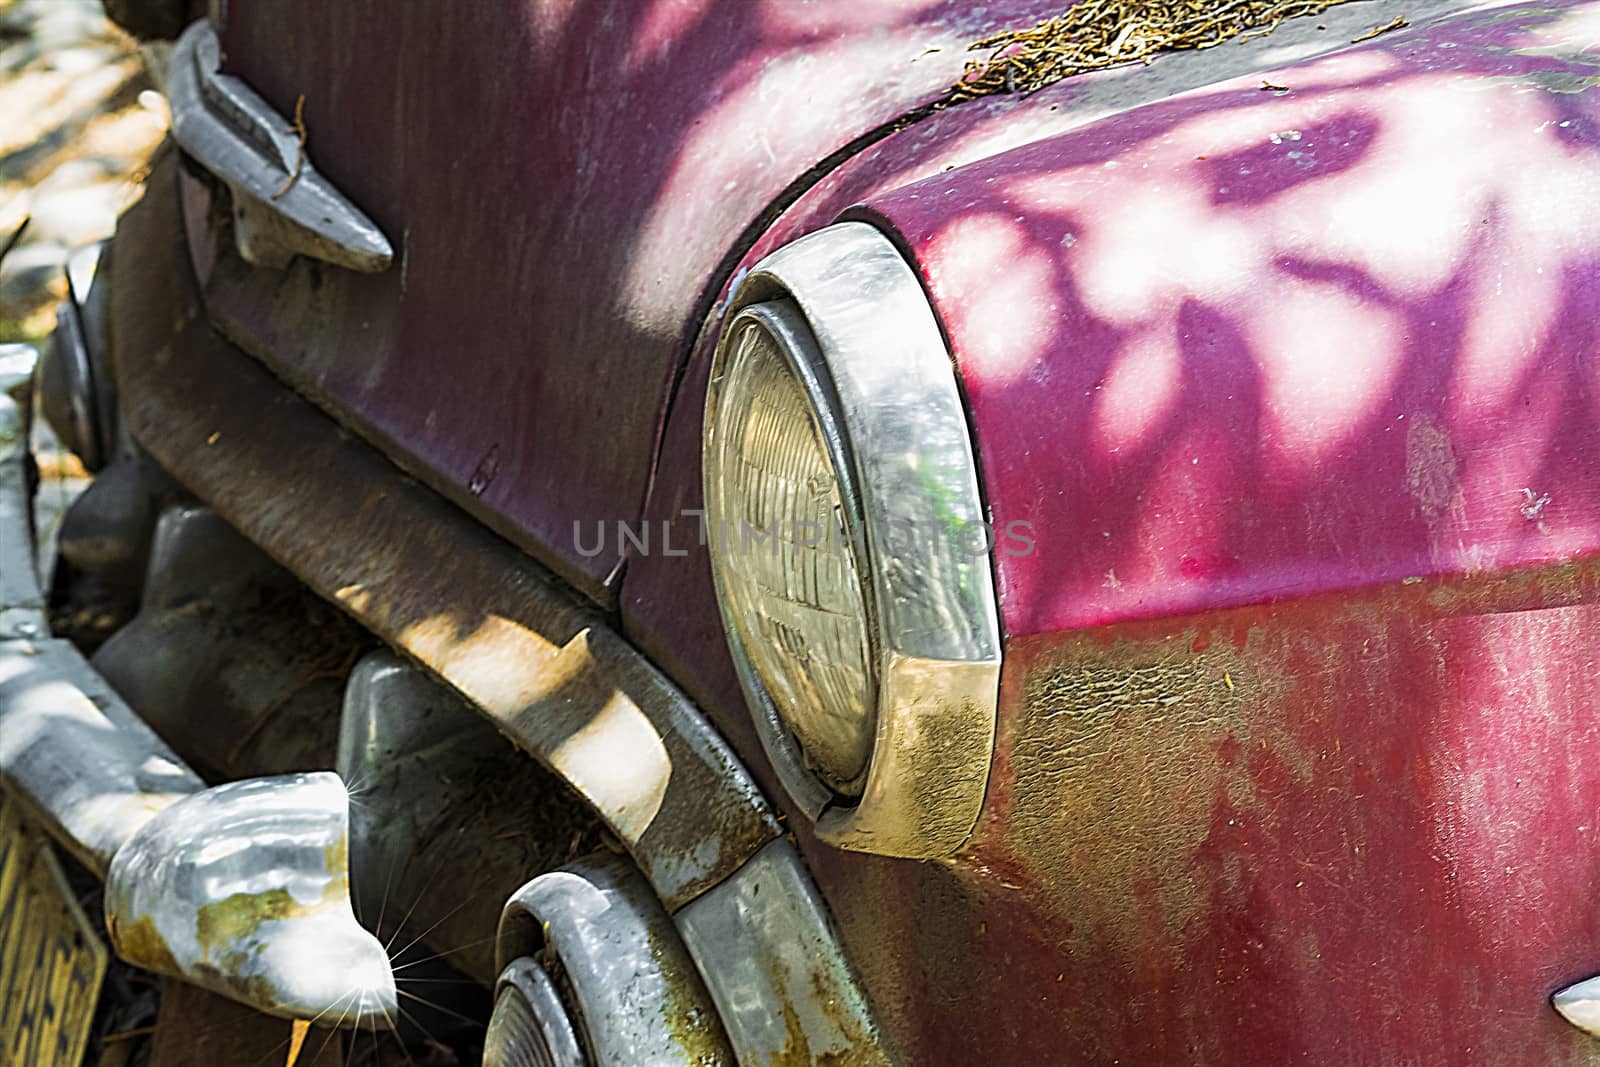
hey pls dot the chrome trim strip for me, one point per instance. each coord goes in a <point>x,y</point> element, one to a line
<point>765,944</point>
<point>282,206</point>
<point>635,992</point>
<point>905,432</point>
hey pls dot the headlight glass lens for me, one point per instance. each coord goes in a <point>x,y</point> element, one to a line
<point>786,564</point>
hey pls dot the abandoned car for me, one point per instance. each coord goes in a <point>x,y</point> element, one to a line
<point>752,531</point>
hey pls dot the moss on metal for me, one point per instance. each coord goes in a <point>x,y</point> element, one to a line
<point>1096,34</point>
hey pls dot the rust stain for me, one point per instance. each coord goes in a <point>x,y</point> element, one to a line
<point>694,1024</point>
<point>227,923</point>
<point>1118,773</point>
<point>849,1044</point>
<point>861,1049</point>
<point>796,1050</point>
<point>139,942</point>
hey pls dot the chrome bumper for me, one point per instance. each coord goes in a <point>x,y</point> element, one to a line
<point>266,920</point>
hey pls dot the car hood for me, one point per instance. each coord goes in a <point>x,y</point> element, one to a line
<point>1319,328</point>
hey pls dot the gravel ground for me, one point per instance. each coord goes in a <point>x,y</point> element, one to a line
<point>78,121</point>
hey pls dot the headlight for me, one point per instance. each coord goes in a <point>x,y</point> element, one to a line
<point>849,548</point>
<point>792,585</point>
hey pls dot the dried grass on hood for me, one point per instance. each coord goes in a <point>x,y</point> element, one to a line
<point>1096,34</point>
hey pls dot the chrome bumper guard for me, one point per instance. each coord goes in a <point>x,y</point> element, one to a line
<point>241,889</point>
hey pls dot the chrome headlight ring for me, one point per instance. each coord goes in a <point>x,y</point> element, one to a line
<point>858,336</point>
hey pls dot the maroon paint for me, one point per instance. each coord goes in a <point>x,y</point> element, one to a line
<point>560,181</point>
<point>1235,347</point>
<point>1372,342</point>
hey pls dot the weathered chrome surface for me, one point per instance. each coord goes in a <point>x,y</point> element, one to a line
<point>409,760</point>
<point>281,206</point>
<point>530,1026</point>
<point>634,990</point>
<point>92,773</point>
<point>1579,1004</point>
<point>904,432</point>
<point>244,889</point>
<point>448,817</point>
<point>773,965</point>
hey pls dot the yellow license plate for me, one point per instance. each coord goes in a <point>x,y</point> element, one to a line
<point>51,958</point>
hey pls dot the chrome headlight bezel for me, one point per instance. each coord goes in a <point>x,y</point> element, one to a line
<point>885,381</point>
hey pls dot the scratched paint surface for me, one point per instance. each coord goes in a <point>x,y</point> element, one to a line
<point>1295,764</point>
<point>560,182</point>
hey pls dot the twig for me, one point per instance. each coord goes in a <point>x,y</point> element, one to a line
<point>300,155</point>
<point>1398,23</point>
<point>128,1035</point>
<point>16,235</point>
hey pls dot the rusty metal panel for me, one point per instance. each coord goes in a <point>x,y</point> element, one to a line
<point>562,182</point>
<point>479,614</point>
